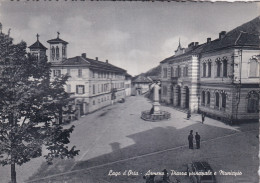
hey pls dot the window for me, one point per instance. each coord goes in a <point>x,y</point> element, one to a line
<point>217,100</point>
<point>203,98</point>
<point>63,51</point>
<point>218,68</point>
<point>172,72</point>
<point>179,71</point>
<point>94,102</point>
<point>56,73</point>
<point>57,53</point>
<point>209,69</point>
<point>79,73</point>
<point>208,98</point>
<point>164,90</point>
<point>253,68</point>
<point>94,89</point>
<point>80,89</point>
<point>224,68</point>
<point>98,100</point>
<point>165,72</point>
<point>53,53</point>
<point>68,72</point>
<point>93,74</point>
<point>68,88</point>
<point>204,69</point>
<point>224,98</point>
<point>253,102</point>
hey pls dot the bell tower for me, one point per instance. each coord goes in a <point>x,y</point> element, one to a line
<point>58,49</point>
<point>37,49</point>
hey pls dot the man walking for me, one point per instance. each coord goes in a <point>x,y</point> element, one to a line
<point>203,117</point>
<point>190,139</point>
<point>197,138</point>
<point>188,115</point>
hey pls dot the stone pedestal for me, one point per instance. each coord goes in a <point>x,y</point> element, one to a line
<point>156,108</point>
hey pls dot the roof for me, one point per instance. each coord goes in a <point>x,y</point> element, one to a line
<point>57,40</point>
<point>93,64</point>
<point>37,45</point>
<point>246,35</point>
<point>141,79</point>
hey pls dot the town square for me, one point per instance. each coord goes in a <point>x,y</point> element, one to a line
<point>132,92</point>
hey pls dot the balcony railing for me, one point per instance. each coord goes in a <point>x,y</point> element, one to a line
<point>174,79</point>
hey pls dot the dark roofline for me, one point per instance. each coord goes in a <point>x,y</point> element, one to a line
<point>57,40</point>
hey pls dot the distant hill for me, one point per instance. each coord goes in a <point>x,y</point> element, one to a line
<point>153,73</point>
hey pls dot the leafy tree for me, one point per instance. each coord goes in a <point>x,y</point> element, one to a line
<point>29,103</point>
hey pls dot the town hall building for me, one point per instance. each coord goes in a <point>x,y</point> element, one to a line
<point>219,77</point>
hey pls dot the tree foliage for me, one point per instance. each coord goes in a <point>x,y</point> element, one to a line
<point>29,103</point>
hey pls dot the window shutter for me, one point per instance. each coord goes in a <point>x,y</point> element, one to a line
<point>83,89</point>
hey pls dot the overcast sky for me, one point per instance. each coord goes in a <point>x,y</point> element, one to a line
<point>133,35</point>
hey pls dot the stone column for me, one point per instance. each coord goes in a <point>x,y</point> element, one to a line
<point>156,103</point>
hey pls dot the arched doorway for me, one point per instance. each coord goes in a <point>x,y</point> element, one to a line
<point>178,92</point>
<point>187,97</point>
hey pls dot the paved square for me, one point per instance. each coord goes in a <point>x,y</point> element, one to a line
<point>116,139</point>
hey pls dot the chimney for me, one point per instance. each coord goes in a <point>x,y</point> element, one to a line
<point>208,40</point>
<point>107,61</point>
<point>96,58</point>
<point>84,55</point>
<point>222,34</point>
<point>191,44</point>
<point>196,43</point>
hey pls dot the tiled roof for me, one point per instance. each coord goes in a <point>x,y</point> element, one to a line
<point>57,40</point>
<point>246,35</point>
<point>37,45</point>
<point>93,64</point>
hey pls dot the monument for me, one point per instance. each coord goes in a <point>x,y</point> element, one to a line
<point>155,114</point>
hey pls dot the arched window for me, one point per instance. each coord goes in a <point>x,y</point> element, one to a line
<point>204,69</point>
<point>203,98</point>
<point>53,52</point>
<point>218,63</point>
<point>57,53</point>
<point>217,100</point>
<point>224,100</point>
<point>225,68</point>
<point>63,51</point>
<point>208,98</point>
<point>253,102</point>
<point>253,68</point>
<point>209,69</point>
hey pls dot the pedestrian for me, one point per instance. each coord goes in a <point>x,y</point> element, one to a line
<point>203,117</point>
<point>197,138</point>
<point>190,139</point>
<point>188,115</point>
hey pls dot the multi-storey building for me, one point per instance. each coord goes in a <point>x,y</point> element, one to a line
<point>128,84</point>
<point>92,83</point>
<point>219,77</point>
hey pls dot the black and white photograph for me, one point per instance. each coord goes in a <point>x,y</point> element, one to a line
<point>129,91</point>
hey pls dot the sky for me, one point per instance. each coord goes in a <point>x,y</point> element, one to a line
<point>135,36</point>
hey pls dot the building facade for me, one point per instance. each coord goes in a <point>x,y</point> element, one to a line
<point>219,77</point>
<point>93,84</point>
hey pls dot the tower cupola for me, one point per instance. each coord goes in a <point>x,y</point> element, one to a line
<point>58,49</point>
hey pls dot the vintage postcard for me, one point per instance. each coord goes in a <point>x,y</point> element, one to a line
<point>129,91</point>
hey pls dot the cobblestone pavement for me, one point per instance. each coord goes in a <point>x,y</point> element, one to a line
<point>115,138</point>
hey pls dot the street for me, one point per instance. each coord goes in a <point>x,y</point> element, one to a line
<point>115,139</point>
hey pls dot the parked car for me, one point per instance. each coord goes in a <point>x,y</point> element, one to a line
<point>195,168</point>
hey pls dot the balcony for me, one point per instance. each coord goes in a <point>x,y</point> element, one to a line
<point>174,80</point>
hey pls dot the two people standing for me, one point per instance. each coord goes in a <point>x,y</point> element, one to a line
<point>197,139</point>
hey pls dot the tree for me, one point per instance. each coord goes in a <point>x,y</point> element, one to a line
<point>29,103</point>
